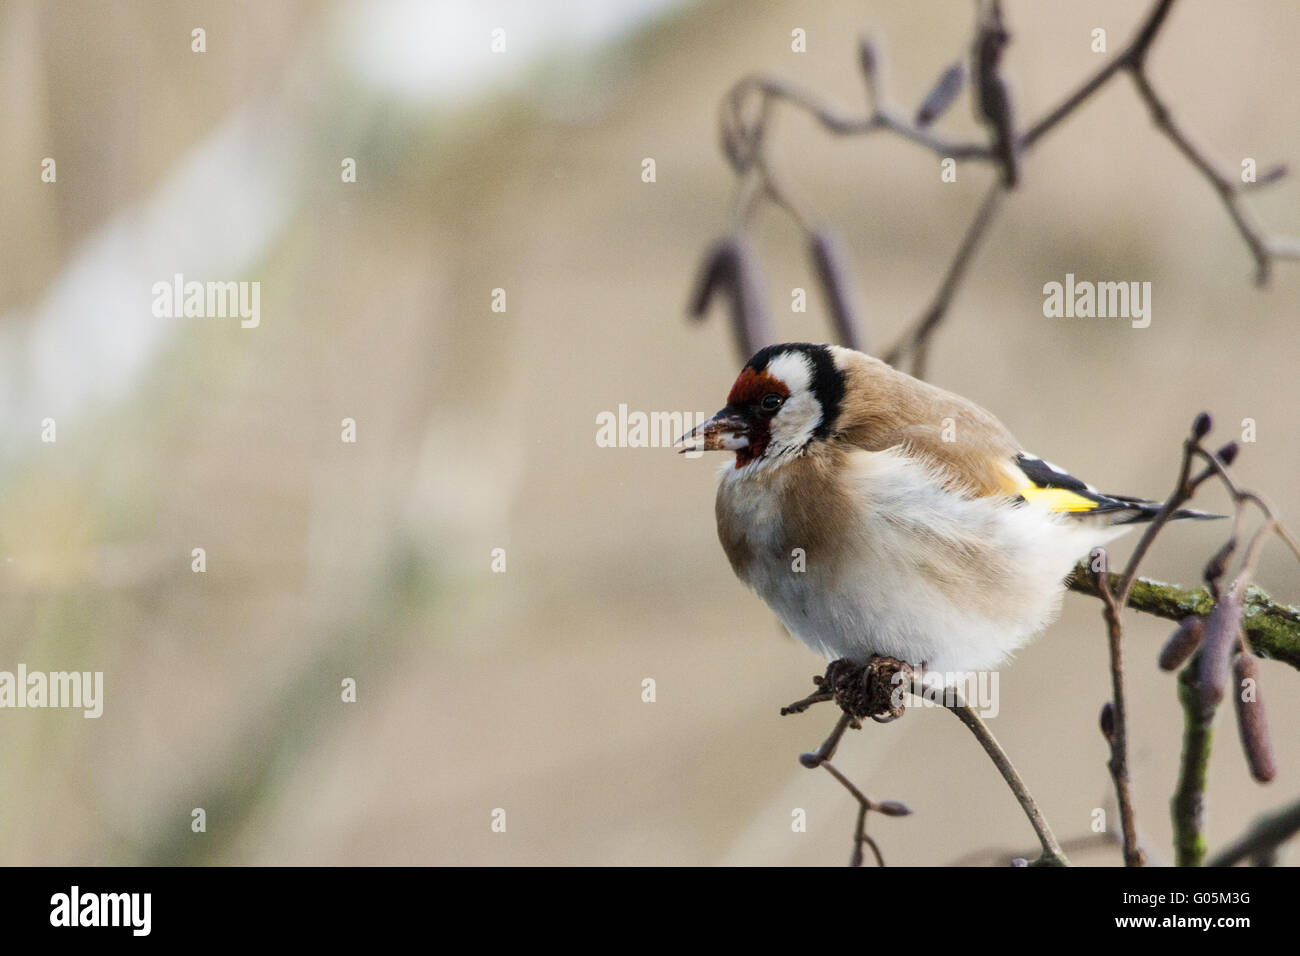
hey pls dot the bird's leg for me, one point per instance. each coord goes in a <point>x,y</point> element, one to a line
<point>862,690</point>
<point>876,689</point>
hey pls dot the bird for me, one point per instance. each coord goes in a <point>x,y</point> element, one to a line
<point>879,515</point>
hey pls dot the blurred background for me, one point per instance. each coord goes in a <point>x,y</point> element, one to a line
<point>372,560</point>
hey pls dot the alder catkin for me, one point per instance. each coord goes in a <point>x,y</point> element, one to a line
<point>1182,644</point>
<point>730,266</point>
<point>1216,652</point>
<point>1251,722</point>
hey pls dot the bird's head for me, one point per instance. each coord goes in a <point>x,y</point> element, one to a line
<point>785,398</point>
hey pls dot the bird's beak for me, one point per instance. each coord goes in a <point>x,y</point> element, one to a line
<point>726,431</point>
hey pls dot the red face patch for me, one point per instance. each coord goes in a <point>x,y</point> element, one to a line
<point>751,386</point>
<point>750,389</point>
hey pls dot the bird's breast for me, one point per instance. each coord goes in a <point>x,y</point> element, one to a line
<point>776,522</point>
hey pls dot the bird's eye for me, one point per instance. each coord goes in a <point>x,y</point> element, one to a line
<point>771,403</point>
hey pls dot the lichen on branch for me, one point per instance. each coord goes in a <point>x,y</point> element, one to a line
<point>1272,629</point>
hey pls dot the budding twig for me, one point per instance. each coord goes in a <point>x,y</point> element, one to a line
<point>865,804</point>
<point>746,120</point>
<point>1115,727</point>
<point>1203,680</point>
<point>861,691</point>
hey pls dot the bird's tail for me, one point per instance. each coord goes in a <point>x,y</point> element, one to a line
<point>1125,510</point>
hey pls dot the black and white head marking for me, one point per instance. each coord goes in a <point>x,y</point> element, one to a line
<point>816,392</point>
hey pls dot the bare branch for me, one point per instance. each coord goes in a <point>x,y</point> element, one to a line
<point>1115,725</point>
<point>1131,57</point>
<point>1262,839</point>
<point>1272,629</point>
<point>916,340</point>
<point>746,119</point>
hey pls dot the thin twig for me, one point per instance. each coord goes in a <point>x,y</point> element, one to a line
<point>1177,498</point>
<point>1263,838</point>
<point>1117,731</point>
<point>1215,464</point>
<point>860,830</point>
<point>1052,853</point>
<point>1133,56</point>
<point>916,340</point>
<point>1261,247</point>
<point>827,749</point>
<point>1002,855</point>
<point>799,706</point>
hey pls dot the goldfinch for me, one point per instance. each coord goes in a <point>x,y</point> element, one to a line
<point>877,514</point>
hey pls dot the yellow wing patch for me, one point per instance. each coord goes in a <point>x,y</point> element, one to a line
<point>1057,499</point>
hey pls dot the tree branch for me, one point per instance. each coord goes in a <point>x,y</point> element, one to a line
<point>1272,629</point>
<point>746,119</point>
<point>1115,727</point>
